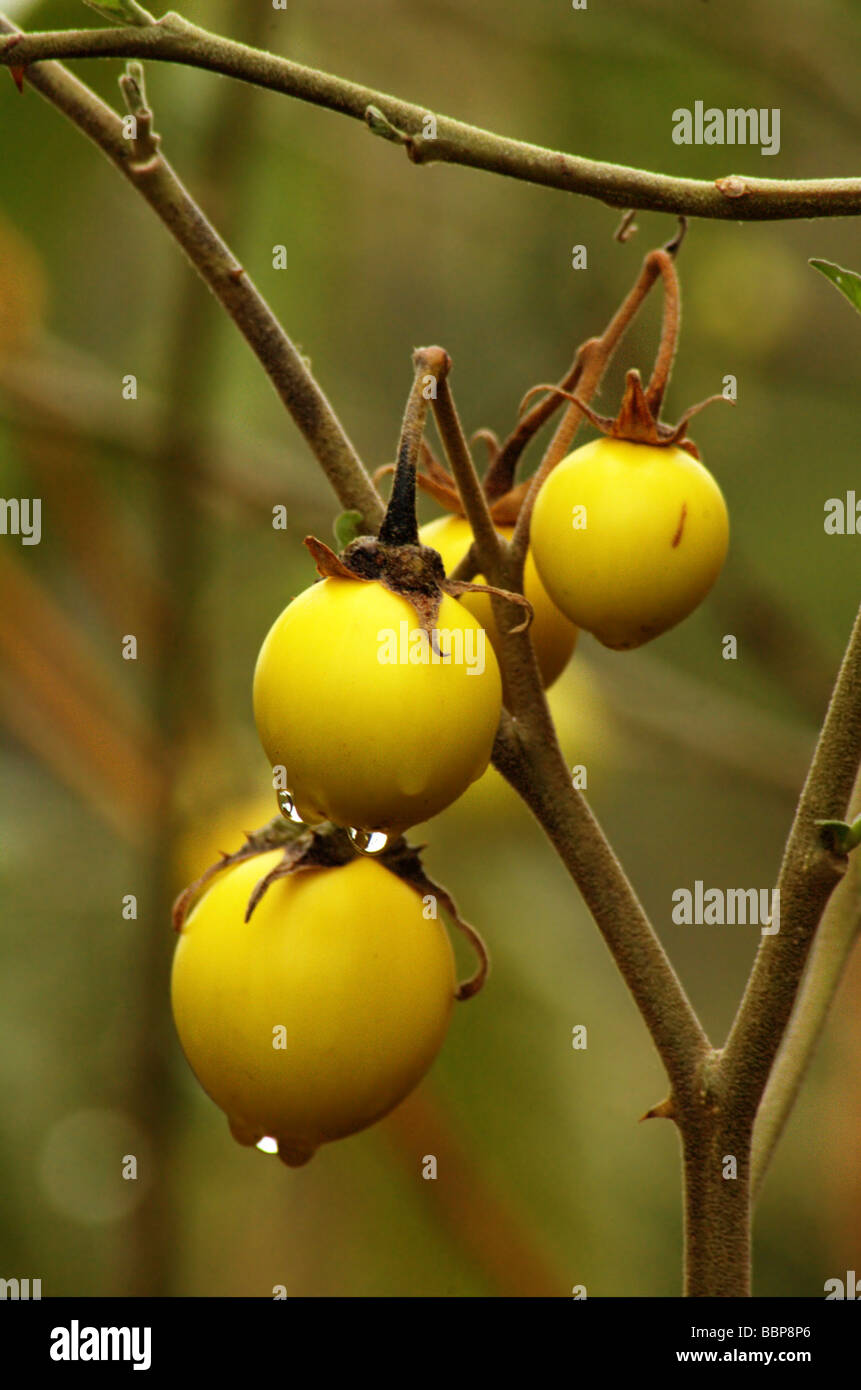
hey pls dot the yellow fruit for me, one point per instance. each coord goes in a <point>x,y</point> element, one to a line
<point>373,730</point>
<point>318,1016</point>
<point>553,637</point>
<point>629,538</point>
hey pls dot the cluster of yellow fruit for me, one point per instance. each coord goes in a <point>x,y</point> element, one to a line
<point>318,1015</point>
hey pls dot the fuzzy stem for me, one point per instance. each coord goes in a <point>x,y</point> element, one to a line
<point>716,1202</point>
<point>487,538</point>
<point>808,876</point>
<point>669,337</point>
<point>733,198</point>
<point>717,1137</point>
<point>835,940</point>
<point>592,361</point>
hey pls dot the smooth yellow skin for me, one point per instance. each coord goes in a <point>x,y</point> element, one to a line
<point>344,961</point>
<point>553,637</point>
<point>369,744</point>
<point>640,565</point>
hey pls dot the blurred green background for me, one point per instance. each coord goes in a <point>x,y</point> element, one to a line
<point>117,776</point>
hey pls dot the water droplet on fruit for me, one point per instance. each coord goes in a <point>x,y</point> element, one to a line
<point>267,1145</point>
<point>288,808</point>
<point>369,841</point>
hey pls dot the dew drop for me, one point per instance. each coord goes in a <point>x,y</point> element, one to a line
<point>288,809</point>
<point>369,841</point>
<point>267,1145</point>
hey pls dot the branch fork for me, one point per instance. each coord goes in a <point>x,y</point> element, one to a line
<point>715,1096</point>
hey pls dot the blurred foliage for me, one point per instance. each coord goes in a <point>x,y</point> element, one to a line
<point>546,1179</point>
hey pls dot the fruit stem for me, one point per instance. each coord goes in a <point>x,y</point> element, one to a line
<point>669,335</point>
<point>591,362</point>
<point>400,526</point>
<point>501,473</point>
<point>469,488</point>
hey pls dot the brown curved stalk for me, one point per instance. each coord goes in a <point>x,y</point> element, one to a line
<point>591,363</point>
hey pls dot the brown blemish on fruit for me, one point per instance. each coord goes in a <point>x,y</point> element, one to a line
<point>681,526</point>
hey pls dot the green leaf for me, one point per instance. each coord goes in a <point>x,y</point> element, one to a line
<point>848,282</point>
<point>347,527</point>
<point>122,11</point>
<point>836,835</point>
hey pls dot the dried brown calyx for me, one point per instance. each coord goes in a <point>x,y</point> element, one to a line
<point>396,558</point>
<point>638,419</point>
<point>329,846</point>
<point>415,572</point>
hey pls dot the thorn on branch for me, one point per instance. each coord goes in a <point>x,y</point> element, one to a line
<point>17,72</point>
<point>663,1111</point>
